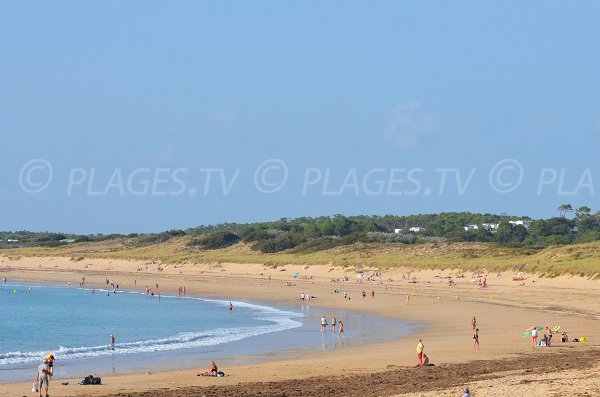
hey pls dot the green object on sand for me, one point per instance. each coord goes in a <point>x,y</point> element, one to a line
<point>528,333</point>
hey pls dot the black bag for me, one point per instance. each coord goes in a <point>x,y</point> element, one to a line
<point>91,380</point>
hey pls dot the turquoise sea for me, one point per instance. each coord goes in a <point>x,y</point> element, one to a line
<point>75,325</point>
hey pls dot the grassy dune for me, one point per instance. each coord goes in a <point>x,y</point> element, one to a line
<point>580,259</point>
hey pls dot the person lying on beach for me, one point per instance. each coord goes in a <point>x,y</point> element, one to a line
<point>212,371</point>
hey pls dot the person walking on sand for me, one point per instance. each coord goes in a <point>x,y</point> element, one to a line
<point>476,339</point>
<point>420,348</point>
<point>112,342</point>
<point>407,299</point>
<point>341,332</point>
<point>474,323</point>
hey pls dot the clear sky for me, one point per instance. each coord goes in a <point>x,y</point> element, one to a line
<point>143,116</point>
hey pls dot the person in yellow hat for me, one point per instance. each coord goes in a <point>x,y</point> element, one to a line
<point>44,373</point>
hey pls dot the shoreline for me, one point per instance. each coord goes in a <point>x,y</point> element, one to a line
<point>293,341</point>
<point>503,310</point>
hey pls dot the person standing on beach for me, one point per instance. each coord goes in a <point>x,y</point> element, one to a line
<point>407,299</point>
<point>44,373</point>
<point>341,333</point>
<point>112,342</point>
<point>476,339</point>
<point>474,323</point>
<point>323,323</point>
<point>230,307</point>
<point>420,348</point>
<point>534,336</point>
<point>333,323</point>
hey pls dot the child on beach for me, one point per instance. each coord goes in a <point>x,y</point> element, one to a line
<point>534,336</point>
<point>420,348</point>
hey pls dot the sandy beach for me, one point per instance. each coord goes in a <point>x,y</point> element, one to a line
<point>506,362</point>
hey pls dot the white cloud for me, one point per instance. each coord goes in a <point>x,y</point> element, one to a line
<point>409,122</point>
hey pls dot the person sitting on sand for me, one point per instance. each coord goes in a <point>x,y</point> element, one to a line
<point>424,362</point>
<point>467,392</point>
<point>212,371</point>
<point>544,341</point>
<point>564,337</point>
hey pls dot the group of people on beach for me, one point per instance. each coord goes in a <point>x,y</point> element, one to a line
<point>546,340</point>
<point>334,322</point>
<point>422,359</point>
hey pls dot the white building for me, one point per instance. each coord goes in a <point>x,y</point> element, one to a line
<point>471,227</point>
<point>398,231</point>
<point>490,227</point>
<point>417,229</point>
<point>523,223</point>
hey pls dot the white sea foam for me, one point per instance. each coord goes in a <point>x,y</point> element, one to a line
<point>279,320</point>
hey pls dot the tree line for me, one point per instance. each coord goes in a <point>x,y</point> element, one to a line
<point>305,234</point>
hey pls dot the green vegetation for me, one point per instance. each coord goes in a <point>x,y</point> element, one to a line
<point>308,235</point>
<point>215,240</point>
<point>576,259</point>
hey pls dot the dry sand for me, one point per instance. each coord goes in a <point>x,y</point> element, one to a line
<point>503,310</point>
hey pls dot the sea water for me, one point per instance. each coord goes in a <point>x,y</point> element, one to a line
<point>75,324</point>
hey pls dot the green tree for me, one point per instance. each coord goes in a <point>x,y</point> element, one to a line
<point>583,212</point>
<point>504,234</point>
<point>563,209</point>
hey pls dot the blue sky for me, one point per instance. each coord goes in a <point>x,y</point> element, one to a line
<point>345,96</point>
